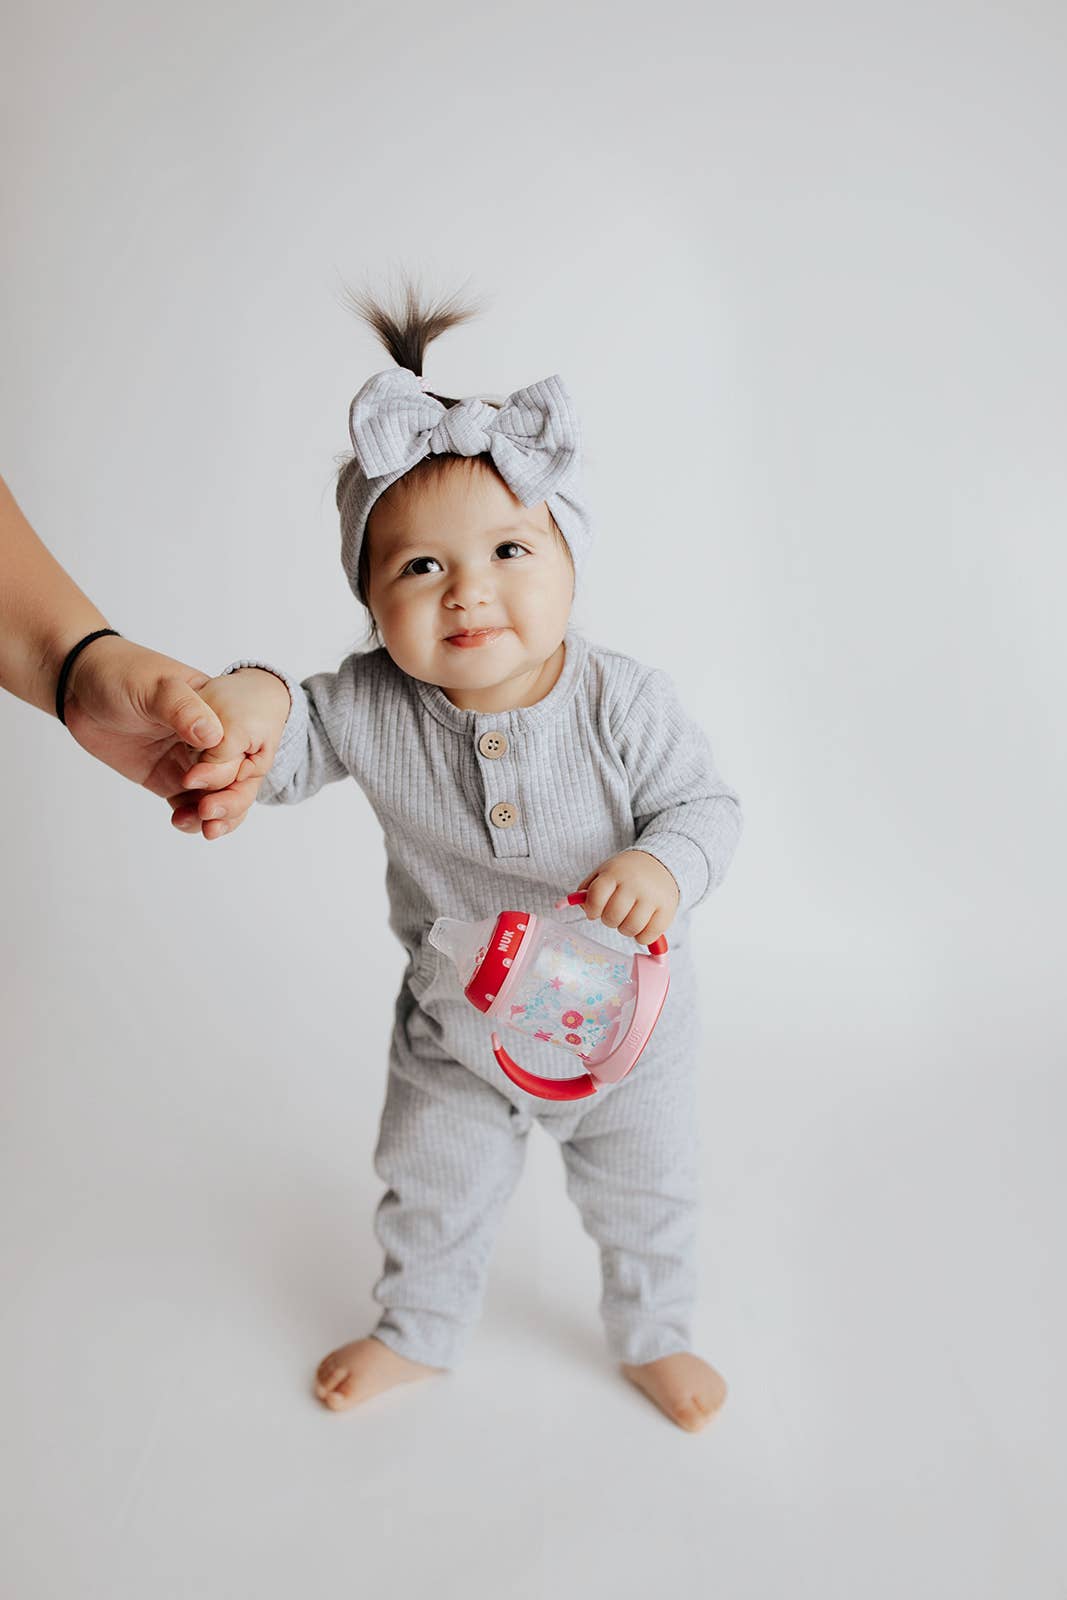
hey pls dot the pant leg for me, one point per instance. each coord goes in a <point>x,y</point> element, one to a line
<point>632,1169</point>
<point>450,1152</point>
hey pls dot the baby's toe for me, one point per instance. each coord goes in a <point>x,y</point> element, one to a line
<point>689,1414</point>
<point>340,1395</point>
<point>328,1376</point>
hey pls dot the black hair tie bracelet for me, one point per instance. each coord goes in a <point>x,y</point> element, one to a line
<point>64,671</point>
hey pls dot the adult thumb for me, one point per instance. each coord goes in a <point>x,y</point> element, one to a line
<point>177,706</point>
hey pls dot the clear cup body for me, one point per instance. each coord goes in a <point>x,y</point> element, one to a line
<point>570,990</point>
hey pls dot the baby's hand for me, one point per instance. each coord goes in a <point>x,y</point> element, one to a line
<point>253,707</point>
<point>634,893</point>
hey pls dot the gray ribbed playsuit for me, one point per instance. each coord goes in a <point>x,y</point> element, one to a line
<point>488,811</point>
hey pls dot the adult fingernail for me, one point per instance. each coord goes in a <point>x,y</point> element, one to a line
<point>203,729</point>
<point>212,812</point>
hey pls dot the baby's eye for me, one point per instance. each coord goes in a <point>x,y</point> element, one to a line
<point>509,544</point>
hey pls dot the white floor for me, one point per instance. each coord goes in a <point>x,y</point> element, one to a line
<point>883,1294</point>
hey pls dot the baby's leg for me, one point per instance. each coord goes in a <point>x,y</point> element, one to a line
<point>450,1151</point>
<point>632,1170</point>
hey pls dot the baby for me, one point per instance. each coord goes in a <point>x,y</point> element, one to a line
<point>509,761</point>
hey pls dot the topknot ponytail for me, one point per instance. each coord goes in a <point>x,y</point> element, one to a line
<point>406,331</point>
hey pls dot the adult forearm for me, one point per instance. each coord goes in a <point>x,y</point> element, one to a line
<point>42,610</point>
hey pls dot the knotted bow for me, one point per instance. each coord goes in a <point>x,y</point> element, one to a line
<point>534,437</point>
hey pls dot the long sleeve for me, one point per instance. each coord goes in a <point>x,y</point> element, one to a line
<point>684,813</point>
<point>311,752</point>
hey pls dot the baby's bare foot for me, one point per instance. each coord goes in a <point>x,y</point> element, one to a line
<point>361,1369</point>
<point>685,1388</point>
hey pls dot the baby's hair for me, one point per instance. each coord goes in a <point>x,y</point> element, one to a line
<point>405,332</point>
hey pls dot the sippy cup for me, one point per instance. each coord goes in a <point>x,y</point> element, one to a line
<point>546,979</point>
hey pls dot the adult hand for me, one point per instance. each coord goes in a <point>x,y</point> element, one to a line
<point>135,710</point>
<point>139,712</point>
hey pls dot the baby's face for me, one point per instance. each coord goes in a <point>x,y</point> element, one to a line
<point>461,552</point>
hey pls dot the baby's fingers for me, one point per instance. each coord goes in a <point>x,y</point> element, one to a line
<point>214,773</point>
<point>216,813</point>
<point>228,808</point>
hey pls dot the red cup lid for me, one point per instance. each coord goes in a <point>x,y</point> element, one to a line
<point>489,974</point>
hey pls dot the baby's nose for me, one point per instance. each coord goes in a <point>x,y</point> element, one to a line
<point>470,588</point>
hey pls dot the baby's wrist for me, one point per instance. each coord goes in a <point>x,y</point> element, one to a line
<point>245,664</point>
<point>260,665</point>
<point>269,685</point>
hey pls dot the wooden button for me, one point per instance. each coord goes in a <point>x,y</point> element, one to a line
<point>504,814</point>
<point>493,745</point>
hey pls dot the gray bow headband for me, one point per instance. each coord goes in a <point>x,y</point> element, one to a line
<point>534,440</point>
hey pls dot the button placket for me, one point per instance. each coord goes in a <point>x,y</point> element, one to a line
<point>507,825</point>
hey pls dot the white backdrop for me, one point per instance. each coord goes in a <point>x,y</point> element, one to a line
<point>830,241</point>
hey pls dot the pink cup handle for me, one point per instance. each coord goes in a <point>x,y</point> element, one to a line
<point>658,947</point>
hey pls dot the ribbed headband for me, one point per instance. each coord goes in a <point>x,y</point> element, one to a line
<point>534,439</point>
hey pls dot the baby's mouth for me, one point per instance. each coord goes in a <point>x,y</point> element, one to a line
<point>471,637</point>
